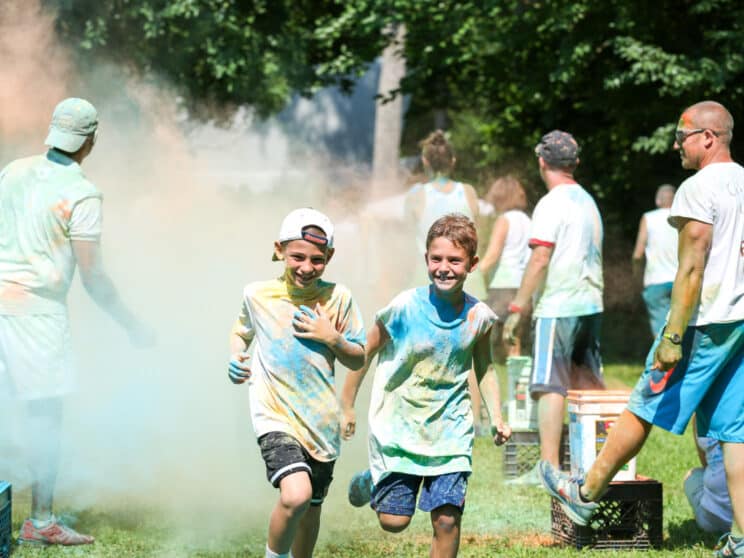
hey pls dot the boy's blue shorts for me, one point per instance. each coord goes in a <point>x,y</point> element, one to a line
<point>709,380</point>
<point>396,492</point>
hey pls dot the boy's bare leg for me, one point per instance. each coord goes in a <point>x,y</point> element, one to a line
<point>733,462</point>
<point>446,523</point>
<point>624,441</point>
<point>295,492</point>
<point>307,533</point>
<point>393,523</point>
<point>550,424</point>
<point>43,437</point>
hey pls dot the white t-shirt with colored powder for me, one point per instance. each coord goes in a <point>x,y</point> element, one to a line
<point>567,219</point>
<point>661,248</point>
<point>420,413</point>
<point>516,252</point>
<point>45,202</point>
<point>715,195</point>
<point>292,386</point>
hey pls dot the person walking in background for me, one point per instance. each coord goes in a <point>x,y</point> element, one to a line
<point>50,222</point>
<point>564,273</point>
<point>656,243</point>
<point>696,364</point>
<point>426,202</point>
<point>506,256</point>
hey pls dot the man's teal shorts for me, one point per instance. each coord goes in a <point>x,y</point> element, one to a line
<point>709,381</point>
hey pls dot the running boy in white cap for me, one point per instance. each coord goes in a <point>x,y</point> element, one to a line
<point>301,325</point>
<point>50,221</point>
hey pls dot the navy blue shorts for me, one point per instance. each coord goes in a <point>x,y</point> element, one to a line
<point>396,493</point>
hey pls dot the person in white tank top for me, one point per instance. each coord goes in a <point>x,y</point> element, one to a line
<point>656,247</point>
<point>506,255</point>
<point>427,202</point>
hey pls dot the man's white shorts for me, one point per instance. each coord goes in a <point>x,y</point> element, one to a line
<point>36,358</point>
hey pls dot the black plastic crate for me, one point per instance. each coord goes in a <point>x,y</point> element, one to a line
<point>522,451</point>
<point>630,515</point>
<point>5,519</point>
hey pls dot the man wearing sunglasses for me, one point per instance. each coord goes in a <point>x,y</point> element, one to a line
<point>697,361</point>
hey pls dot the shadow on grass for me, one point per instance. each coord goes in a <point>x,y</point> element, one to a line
<point>686,534</point>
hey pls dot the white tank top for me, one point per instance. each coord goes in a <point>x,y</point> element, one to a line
<point>661,248</point>
<point>516,252</point>
<point>438,203</point>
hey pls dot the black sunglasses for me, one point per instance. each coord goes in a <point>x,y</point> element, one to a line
<point>681,135</point>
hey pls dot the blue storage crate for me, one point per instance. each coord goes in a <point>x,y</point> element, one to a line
<point>5,519</point>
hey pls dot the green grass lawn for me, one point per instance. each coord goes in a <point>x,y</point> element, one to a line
<point>499,520</point>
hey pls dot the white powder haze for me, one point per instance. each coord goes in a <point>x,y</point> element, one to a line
<point>190,214</point>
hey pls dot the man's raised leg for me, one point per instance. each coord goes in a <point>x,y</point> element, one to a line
<point>624,441</point>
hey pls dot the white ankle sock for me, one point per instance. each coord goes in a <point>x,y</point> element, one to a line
<point>271,554</point>
<point>41,522</point>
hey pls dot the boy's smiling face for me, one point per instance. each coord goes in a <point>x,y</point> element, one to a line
<point>305,261</point>
<point>448,265</point>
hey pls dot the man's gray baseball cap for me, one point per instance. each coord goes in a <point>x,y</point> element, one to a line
<point>558,148</point>
<point>73,120</point>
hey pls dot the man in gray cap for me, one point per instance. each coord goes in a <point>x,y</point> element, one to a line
<point>50,222</point>
<point>564,274</point>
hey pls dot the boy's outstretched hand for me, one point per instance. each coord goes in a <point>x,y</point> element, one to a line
<point>315,325</point>
<point>348,423</point>
<point>239,370</point>
<point>500,431</point>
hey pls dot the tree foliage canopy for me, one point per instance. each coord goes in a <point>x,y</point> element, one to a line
<point>615,73</point>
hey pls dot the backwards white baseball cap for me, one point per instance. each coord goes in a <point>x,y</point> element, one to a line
<point>299,219</point>
<point>73,121</point>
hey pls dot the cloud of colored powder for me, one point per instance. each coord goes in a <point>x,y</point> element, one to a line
<point>190,213</point>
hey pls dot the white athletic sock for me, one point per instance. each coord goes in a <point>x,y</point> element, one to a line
<point>41,522</point>
<point>271,554</point>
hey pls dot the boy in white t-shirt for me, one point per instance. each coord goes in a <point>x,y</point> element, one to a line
<point>696,364</point>
<point>420,415</point>
<point>301,325</point>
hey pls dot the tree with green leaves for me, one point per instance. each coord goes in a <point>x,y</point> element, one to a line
<point>503,72</point>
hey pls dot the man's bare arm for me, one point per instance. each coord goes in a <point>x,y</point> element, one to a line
<point>534,274</point>
<point>640,248</point>
<point>101,289</point>
<point>694,244</point>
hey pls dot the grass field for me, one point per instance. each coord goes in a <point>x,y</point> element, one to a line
<point>499,520</point>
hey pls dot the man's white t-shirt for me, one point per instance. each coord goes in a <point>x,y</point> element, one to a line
<point>568,220</point>
<point>661,248</point>
<point>715,195</point>
<point>45,203</point>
